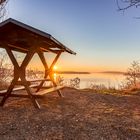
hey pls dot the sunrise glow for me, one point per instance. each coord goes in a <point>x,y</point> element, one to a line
<point>55,68</point>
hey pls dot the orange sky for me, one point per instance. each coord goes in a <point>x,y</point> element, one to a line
<point>74,65</point>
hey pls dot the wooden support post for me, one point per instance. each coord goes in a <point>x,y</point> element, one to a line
<point>48,71</point>
<point>42,58</point>
<point>8,92</point>
<point>34,101</point>
<point>19,72</point>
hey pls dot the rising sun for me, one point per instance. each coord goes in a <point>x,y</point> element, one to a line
<point>55,68</point>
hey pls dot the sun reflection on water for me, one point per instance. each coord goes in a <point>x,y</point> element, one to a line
<point>55,77</point>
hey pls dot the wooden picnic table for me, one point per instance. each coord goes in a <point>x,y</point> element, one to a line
<point>19,37</point>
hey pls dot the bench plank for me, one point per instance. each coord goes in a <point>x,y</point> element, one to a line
<point>39,80</point>
<point>16,89</point>
<point>43,92</point>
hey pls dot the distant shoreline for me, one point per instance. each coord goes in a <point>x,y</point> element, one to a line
<point>71,72</point>
<point>112,72</point>
<point>77,72</point>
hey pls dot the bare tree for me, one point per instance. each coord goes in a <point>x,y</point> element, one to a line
<point>126,4</point>
<point>2,9</point>
<point>133,75</point>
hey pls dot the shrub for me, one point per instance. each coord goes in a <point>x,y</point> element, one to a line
<point>132,80</point>
<point>6,71</point>
<point>75,83</point>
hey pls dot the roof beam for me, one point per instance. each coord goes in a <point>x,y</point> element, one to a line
<point>19,48</point>
<point>50,50</point>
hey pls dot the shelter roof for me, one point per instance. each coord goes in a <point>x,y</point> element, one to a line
<point>20,37</point>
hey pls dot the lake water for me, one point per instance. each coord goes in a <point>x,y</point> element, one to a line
<point>109,80</point>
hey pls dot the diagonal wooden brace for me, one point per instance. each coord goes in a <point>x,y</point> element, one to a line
<point>19,72</point>
<point>48,71</point>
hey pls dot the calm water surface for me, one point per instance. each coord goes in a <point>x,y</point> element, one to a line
<point>96,78</point>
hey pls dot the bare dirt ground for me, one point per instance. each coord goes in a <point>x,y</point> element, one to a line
<point>80,115</point>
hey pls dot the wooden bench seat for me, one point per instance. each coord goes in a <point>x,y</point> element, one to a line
<point>39,80</point>
<point>43,92</point>
<point>16,89</point>
<point>36,94</point>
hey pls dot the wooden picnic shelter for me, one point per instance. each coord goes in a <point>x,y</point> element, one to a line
<point>19,37</point>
